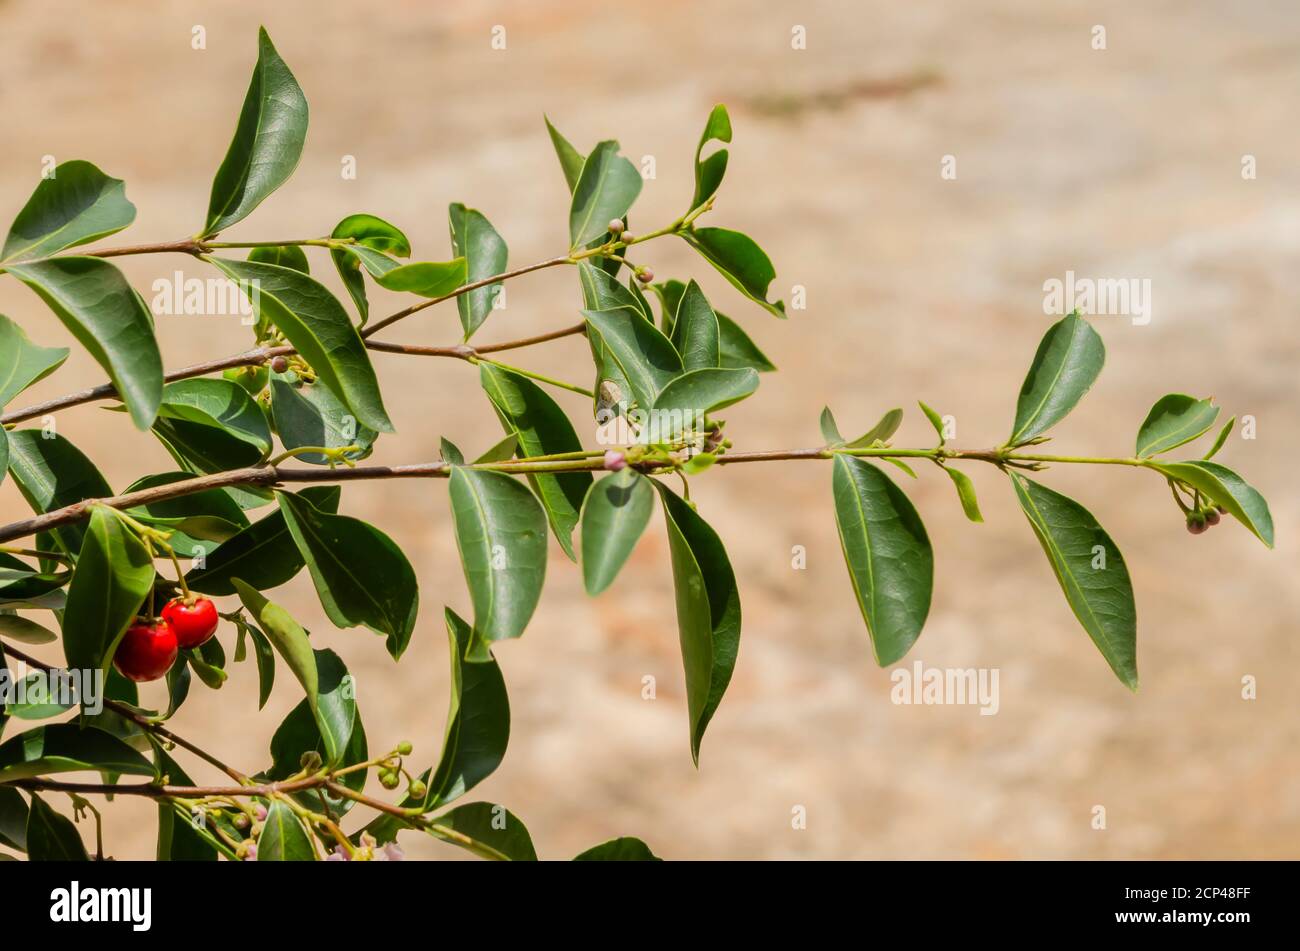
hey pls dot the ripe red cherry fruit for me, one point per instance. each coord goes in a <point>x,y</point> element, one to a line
<point>147,651</point>
<point>194,622</point>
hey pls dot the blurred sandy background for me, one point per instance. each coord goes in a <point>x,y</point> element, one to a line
<point>1121,163</point>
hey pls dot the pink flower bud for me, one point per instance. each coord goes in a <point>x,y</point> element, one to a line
<point>394,852</point>
<point>614,460</point>
<point>260,811</point>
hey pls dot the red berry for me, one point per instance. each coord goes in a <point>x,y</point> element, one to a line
<point>194,623</point>
<point>147,651</point>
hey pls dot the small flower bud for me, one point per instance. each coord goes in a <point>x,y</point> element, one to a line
<point>260,811</point>
<point>393,852</point>
<point>309,760</point>
<point>1221,510</point>
<point>388,779</point>
<point>242,822</point>
<point>645,275</point>
<point>418,789</point>
<point>616,226</point>
<point>1212,517</point>
<point>1196,523</point>
<point>404,748</point>
<point>279,364</point>
<point>614,460</point>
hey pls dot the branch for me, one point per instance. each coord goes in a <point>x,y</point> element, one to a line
<point>268,476</point>
<point>157,791</point>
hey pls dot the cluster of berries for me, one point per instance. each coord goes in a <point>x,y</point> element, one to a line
<point>1198,520</point>
<point>150,645</point>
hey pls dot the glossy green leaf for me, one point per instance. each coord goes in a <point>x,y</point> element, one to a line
<point>52,473</point>
<point>315,323</point>
<point>882,431</point>
<point>265,657</point>
<point>540,428</point>
<point>212,425</point>
<point>284,255</point>
<point>371,232</point>
<point>499,451</point>
<point>75,205</point>
<point>965,493</point>
<point>624,849</point>
<point>311,415</point>
<point>708,611</point>
<point>325,727</point>
<point>709,171</point>
<point>1091,572</point>
<point>97,305</point>
<point>114,574</point>
<point>571,160</point>
<point>705,391</point>
<point>67,748</point>
<point>425,278</point>
<point>614,514</point>
<point>695,330</point>
<point>888,554</point>
<point>501,534</point>
<point>52,836</point>
<point>605,190</point>
<point>13,819</point>
<point>24,631</point>
<point>22,362</point>
<point>1175,419</point>
<point>736,350</point>
<point>601,292</point>
<point>1220,439</point>
<point>1224,487</point>
<point>830,429</point>
<point>264,554</point>
<point>23,585</point>
<point>178,838</point>
<point>740,260</point>
<point>487,830</point>
<point>300,733</point>
<point>195,520</point>
<point>287,635</point>
<point>645,358</point>
<point>935,420</point>
<point>474,239</point>
<point>283,837</point>
<point>267,144</point>
<point>361,576</point>
<point>451,453</point>
<point>1067,363</point>
<point>670,299</point>
<point>42,697</point>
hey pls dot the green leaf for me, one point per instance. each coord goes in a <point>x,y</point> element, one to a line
<point>487,830</point>
<point>540,428</point>
<point>52,473</point>
<point>77,204</point>
<point>709,172</point>
<point>614,514</point>
<point>13,819</point>
<point>315,323</point>
<point>21,585</point>
<point>212,425</point>
<point>425,278</point>
<point>311,415</point>
<point>300,733</point>
<point>888,554</point>
<point>830,430</point>
<point>708,611</point>
<point>360,574</point>
<point>114,574</point>
<point>178,685</point>
<point>497,452</point>
<point>264,554</point>
<point>67,748</point>
<point>695,330</point>
<point>451,453</point>
<point>41,698</point>
<point>284,255</point>
<point>478,721</point>
<point>283,837</point>
<point>704,391</point>
<point>740,260</point>
<point>97,305</point>
<point>501,534</point>
<point>624,849</point>
<point>288,637</point>
<point>605,190</point>
<point>1224,487</point>
<point>178,839</point>
<point>1067,363</point>
<point>670,299</point>
<point>196,519</point>
<point>23,631</point>
<point>474,239</point>
<point>935,420</point>
<point>965,493</point>
<point>52,837</point>
<point>267,144</point>
<point>645,358</point>
<point>736,350</point>
<point>571,160</point>
<point>1091,572</point>
<point>1174,420</point>
<point>22,362</point>
<point>882,431</point>
<point>265,657</point>
<point>371,232</point>
<point>1220,439</point>
<point>325,727</point>
<point>601,292</point>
